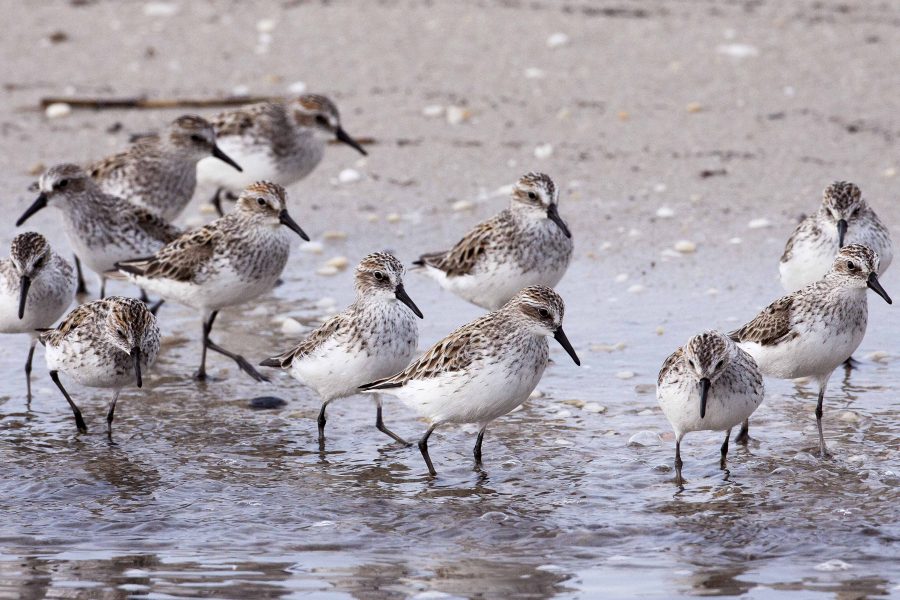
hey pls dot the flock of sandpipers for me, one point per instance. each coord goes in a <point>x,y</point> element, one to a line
<point>117,217</point>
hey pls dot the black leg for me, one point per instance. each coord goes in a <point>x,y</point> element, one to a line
<point>743,436</point>
<point>321,422</point>
<point>724,450</point>
<point>823,452</point>
<point>851,363</point>
<point>144,297</point>
<point>679,480</point>
<point>216,201</point>
<point>110,414</point>
<point>242,363</point>
<point>28,368</point>
<point>79,420</point>
<point>81,288</point>
<point>478,445</point>
<point>379,423</point>
<point>154,308</point>
<point>102,287</point>
<point>200,375</point>
<point>423,448</point>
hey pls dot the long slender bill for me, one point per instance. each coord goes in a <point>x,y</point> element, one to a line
<point>553,215</point>
<point>560,337</point>
<point>136,357</point>
<point>842,232</point>
<point>37,205</point>
<point>23,294</point>
<point>217,152</point>
<point>343,136</point>
<point>704,392</point>
<point>403,297</point>
<point>876,287</point>
<point>288,222</point>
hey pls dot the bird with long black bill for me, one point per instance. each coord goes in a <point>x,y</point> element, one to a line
<point>709,384</point>
<point>484,369</point>
<point>232,260</point>
<point>107,343</point>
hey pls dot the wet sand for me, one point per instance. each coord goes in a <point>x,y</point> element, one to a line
<point>727,113</point>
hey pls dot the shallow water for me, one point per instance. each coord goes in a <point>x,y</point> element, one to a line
<point>200,496</point>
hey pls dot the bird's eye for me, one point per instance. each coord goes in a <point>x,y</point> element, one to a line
<point>321,120</point>
<point>719,364</point>
<point>378,275</point>
<point>544,312</point>
<point>851,265</point>
<point>198,138</point>
<point>693,364</point>
<point>532,196</point>
<point>261,201</point>
<point>120,332</point>
<point>62,183</point>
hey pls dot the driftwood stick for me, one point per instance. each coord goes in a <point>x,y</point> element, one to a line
<point>150,103</point>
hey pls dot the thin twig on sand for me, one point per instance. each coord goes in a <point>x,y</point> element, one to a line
<point>153,103</point>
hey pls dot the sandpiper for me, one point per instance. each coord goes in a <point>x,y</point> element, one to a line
<point>526,244</point>
<point>159,172</point>
<point>374,337</point>
<point>232,260</point>
<point>815,329</point>
<point>844,218</point>
<point>484,369</point>
<point>709,384</point>
<point>102,229</point>
<point>106,343</point>
<point>36,287</point>
<point>280,142</point>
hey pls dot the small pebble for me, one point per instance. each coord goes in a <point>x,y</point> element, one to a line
<point>575,403</point>
<point>298,87</point>
<point>557,39</point>
<point>461,205</point>
<point>669,253</point>
<point>457,115</point>
<point>644,438</point>
<point>563,414</point>
<point>349,176</point>
<point>291,326</point>
<point>593,407</point>
<point>392,218</point>
<point>494,516</point>
<point>832,565</point>
<point>879,356</point>
<point>562,442</point>
<point>848,416</point>
<point>694,107</point>
<point>621,277</point>
<point>712,292</point>
<point>240,90</point>
<point>759,224</point>
<point>664,212</point>
<point>636,289</point>
<point>433,110</point>
<point>645,388</point>
<point>890,172</point>
<point>645,413</point>
<point>338,262</point>
<point>685,246</point>
<point>660,330</point>
<point>160,9</point>
<point>57,110</point>
<point>327,271</point>
<point>267,403</point>
<point>312,247</point>
<point>534,73</point>
<point>543,151</point>
<point>738,50</point>
<point>535,394</point>
<point>659,188</point>
<point>607,347</point>
<point>735,240</point>
<point>334,235</point>
<point>625,374</point>
<point>265,25</point>
<point>39,168</point>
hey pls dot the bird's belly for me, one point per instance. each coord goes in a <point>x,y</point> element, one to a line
<point>257,162</point>
<point>724,409</point>
<point>814,354</point>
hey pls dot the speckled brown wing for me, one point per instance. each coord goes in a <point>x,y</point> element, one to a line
<point>670,363</point>
<point>180,260</point>
<point>770,326</point>
<point>464,256</point>
<point>106,167</point>
<point>807,228</point>
<point>79,316</point>
<point>240,121</point>
<point>154,226</point>
<point>453,353</point>
<point>336,324</point>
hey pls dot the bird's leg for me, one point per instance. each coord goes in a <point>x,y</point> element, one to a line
<point>851,363</point>
<point>321,422</point>
<point>478,441</point>
<point>81,288</point>
<point>823,452</point>
<point>28,369</point>
<point>110,413</point>
<point>79,420</point>
<point>743,436</point>
<point>379,423</point>
<point>216,201</point>
<point>154,308</point>
<point>144,297</point>
<point>102,287</point>
<point>200,375</point>
<point>679,480</point>
<point>242,363</point>
<point>423,448</point>
<point>724,449</point>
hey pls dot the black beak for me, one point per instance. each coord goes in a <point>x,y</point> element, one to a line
<point>23,294</point>
<point>704,392</point>
<point>343,136</point>
<point>37,205</point>
<point>842,231</point>
<point>291,224</point>
<point>560,336</point>
<point>403,297</point>
<point>876,287</point>
<point>217,152</point>
<point>136,356</point>
<point>553,215</point>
